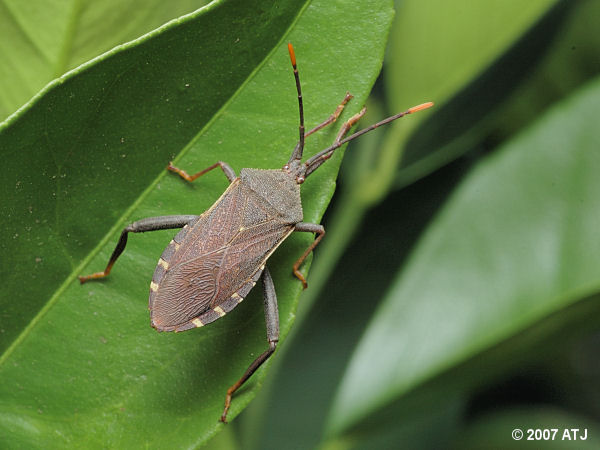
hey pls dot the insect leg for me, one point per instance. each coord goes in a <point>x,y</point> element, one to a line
<point>349,124</point>
<point>149,224</point>
<point>315,161</point>
<point>313,164</point>
<point>311,228</point>
<point>332,118</point>
<point>272,322</point>
<point>227,170</point>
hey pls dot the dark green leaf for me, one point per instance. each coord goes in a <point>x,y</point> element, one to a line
<point>80,365</point>
<point>516,243</point>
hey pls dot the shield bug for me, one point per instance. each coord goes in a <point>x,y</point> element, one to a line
<point>217,258</point>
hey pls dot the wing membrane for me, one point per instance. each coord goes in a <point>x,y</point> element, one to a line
<point>222,251</point>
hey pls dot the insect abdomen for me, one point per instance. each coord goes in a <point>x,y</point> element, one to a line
<point>209,265</point>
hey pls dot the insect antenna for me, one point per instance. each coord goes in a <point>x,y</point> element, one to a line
<point>297,153</point>
<point>315,161</point>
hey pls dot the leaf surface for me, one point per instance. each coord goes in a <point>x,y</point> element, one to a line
<point>515,244</point>
<point>41,40</point>
<point>80,364</point>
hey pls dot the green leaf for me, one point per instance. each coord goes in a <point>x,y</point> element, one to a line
<point>41,40</point>
<point>458,49</point>
<point>80,365</point>
<point>481,101</point>
<point>516,243</point>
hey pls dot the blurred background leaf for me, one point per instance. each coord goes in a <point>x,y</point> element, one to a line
<point>494,426</point>
<point>510,249</point>
<point>41,40</point>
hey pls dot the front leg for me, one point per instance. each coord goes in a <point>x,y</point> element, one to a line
<point>141,226</point>
<point>226,168</point>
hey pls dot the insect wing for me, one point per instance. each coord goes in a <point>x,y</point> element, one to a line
<point>215,261</point>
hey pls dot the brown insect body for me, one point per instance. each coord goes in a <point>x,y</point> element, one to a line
<point>217,258</point>
<point>212,263</point>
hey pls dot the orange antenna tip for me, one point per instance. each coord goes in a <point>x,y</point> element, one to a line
<point>292,54</point>
<point>420,107</point>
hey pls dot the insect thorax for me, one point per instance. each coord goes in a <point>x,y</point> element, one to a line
<point>277,189</point>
